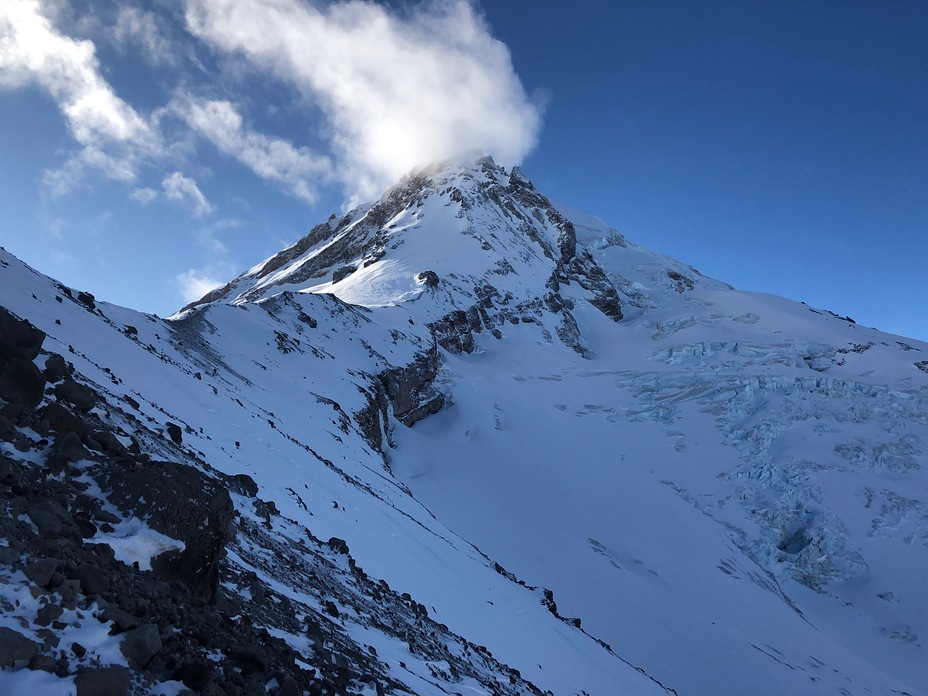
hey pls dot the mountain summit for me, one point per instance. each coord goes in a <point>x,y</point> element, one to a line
<point>460,441</point>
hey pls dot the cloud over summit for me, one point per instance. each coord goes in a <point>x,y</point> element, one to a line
<point>398,90</point>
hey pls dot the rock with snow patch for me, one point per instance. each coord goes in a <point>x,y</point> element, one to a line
<point>181,503</point>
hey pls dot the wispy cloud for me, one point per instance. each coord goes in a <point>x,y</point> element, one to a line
<point>143,195</point>
<point>145,31</point>
<point>297,169</point>
<point>184,190</point>
<point>399,91</point>
<point>194,283</point>
<point>112,136</point>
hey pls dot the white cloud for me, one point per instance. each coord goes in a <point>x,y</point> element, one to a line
<point>398,91</point>
<point>143,195</point>
<point>298,169</point>
<point>135,27</point>
<point>194,283</point>
<point>112,135</point>
<point>184,190</point>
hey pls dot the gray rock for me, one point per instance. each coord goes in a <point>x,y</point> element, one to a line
<point>45,615</point>
<point>56,369</point>
<point>7,429</point>
<point>19,340</point>
<point>104,681</point>
<point>430,278</point>
<point>40,571</point>
<point>61,420</point>
<point>44,663</point>
<point>245,485</point>
<point>410,389</point>
<point>52,520</point>
<point>69,446</point>
<point>80,396</point>
<point>23,383</point>
<point>140,644</point>
<point>92,579</point>
<point>69,590</point>
<point>175,433</point>
<point>123,620</point>
<point>14,646</point>
<point>86,299</point>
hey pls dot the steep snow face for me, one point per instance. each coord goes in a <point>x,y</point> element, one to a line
<point>293,391</point>
<point>725,489</point>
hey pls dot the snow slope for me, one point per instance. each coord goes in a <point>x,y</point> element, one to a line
<point>725,491</point>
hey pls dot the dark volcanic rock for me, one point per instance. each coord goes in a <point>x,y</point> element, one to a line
<point>23,383</point>
<point>61,420</point>
<point>19,340</point>
<point>40,571</point>
<point>92,579</point>
<point>86,299</point>
<point>52,520</point>
<point>68,445</point>
<point>175,433</point>
<point>105,681</point>
<point>245,485</point>
<point>430,278</point>
<point>7,430</point>
<point>14,646</point>
<point>140,645</point>
<point>56,369</point>
<point>79,395</point>
<point>184,504</point>
<point>410,389</point>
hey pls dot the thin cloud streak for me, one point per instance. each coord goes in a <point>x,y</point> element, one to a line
<point>297,169</point>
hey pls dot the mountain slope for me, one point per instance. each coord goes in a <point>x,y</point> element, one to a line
<point>572,450</point>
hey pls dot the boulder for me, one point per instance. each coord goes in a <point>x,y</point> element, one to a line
<point>93,580</point>
<point>40,571</point>
<point>19,340</point>
<point>184,504</point>
<point>80,396</point>
<point>56,369</point>
<point>103,681</point>
<point>61,420</point>
<point>52,520</point>
<point>23,383</point>
<point>14,646</point>
<point>175,433</point>
<point>7,429</point>
<point>140,645</point>
<point>244,485</point>
<point>68,445</point>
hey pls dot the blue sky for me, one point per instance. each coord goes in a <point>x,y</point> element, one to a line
<point>150,149</point>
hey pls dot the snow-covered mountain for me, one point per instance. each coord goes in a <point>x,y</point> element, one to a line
<point>460,441</point>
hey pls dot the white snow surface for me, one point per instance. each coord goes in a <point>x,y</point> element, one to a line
<point>727,488</point>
